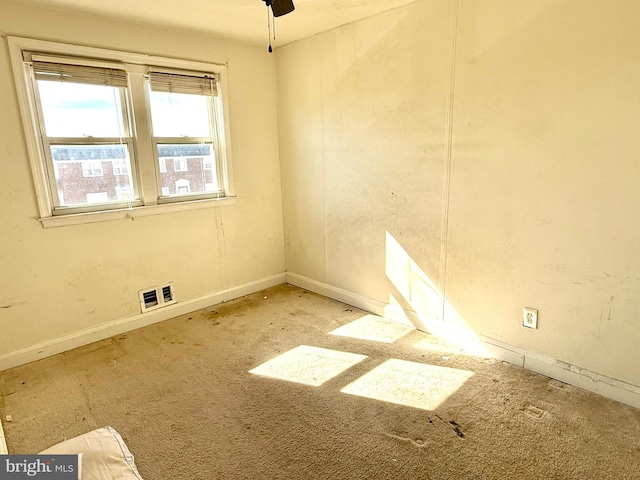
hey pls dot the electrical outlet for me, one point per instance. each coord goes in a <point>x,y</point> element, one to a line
<point>530,317</point>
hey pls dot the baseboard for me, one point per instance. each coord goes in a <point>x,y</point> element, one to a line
<point>126,324</point>
<point>608,387</point>
<point>369,304</point>
<point>600,384</point>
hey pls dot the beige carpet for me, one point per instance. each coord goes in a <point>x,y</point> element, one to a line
<point>317,405</point>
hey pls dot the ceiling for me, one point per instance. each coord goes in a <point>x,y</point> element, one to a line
<point>244,20</point>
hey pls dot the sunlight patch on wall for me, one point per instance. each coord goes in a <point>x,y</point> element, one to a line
<point>411,281</point>
<point>308,365</point>
<point>410,384</point>
<point>424,304</point>
<point>394,311</point>
<point>375,328</point>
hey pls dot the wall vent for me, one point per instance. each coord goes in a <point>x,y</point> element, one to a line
<point>156,297</point>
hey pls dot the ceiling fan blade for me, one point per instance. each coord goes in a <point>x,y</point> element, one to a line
<point>282,7</point>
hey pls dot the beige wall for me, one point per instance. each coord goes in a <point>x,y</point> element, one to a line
<point>54,282</point>
<point>539,204</point>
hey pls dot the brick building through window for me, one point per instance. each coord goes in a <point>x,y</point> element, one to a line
<point>88,173</point>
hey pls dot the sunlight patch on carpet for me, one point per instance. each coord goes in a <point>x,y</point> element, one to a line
<point>408,383</point>
<point>373,327</point>
<point>308,365</point>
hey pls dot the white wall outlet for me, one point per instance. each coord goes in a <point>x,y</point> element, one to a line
<point>530,317</point>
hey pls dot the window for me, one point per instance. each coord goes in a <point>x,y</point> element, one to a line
<point>208,174</point>
<point>184,121</point>
<point>183,187</point>
<point>91,168</point>
<point>81,112</point>
<point>180,164</point>
<point>77,106</point>
<point>120,167</point>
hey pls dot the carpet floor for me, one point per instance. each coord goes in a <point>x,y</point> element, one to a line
<point>286,384</point>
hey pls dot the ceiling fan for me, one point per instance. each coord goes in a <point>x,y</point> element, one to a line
<point>278,9</point>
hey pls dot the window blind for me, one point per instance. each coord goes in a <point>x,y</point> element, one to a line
<point>62,72</point>
<point>177,83</point>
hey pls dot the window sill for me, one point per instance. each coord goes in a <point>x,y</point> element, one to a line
<point>135,212</point>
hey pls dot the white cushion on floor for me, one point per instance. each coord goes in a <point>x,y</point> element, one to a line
<point>105,456</point>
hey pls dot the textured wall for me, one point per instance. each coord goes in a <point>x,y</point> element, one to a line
<point>489,150</point>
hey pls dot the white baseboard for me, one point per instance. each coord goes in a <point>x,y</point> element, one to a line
<point>126,324</point>
<point>600,384</point>
<point>365,303</point>
<point>608,387</point>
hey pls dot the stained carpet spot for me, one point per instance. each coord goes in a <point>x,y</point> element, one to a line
<point>456,428</point>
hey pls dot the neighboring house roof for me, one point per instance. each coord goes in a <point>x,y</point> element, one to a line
<point>113,152</point>
<point>186,150</point>
<point>88,152</point>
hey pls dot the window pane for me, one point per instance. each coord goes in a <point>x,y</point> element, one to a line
<point>88,174</point>
<point>80,110</point>
<point>180,115</point>
<point>187,169</point>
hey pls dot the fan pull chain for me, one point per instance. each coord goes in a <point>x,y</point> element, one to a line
<point>269,26</point>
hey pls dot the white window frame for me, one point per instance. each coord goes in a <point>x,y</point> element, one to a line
<point>137,66</point>
<point>125,139</point>
<point>181,164</point>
